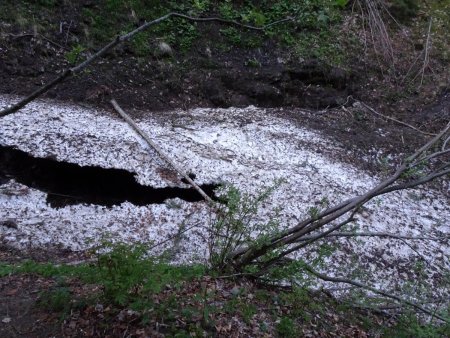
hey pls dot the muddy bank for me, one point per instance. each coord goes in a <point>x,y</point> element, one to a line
<point>195,81</point>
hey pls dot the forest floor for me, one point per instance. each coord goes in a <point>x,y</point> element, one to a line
<point>213,72</point>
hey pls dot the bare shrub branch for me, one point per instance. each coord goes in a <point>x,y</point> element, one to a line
<point>393,119</point>
<point>379,34</point>
<point>376,234</point>
<point>374,290</point>
<point>312,224</point>
<point>168,160</point>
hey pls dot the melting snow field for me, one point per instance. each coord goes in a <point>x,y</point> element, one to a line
<point>250,148</point>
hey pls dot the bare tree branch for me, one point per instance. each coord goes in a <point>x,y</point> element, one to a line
<point>426,59</point>
<point>312,224</point>
<point>394,120</point>
<point>118,40</point>
<point>375,234</point>
<point>374,290</point>
<point>152,144</point>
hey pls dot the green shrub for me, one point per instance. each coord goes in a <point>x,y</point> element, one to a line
<point>129,275</point>
<point>286,328</point>
<point>235,225</point>
<point>57,300</point>
<point>73,56</point>
<point>404,10</point>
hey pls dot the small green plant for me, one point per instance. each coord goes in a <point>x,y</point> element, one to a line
<point>248,311</point>
<point>286,328</point>
<point>235,225</point>
<point>74,54</point>
<point>232,34</point>
<point>341,3</point>
<point>226,10</point>
<point>408,325</point>
<point>57,300</point>
<point>201,5</point>
<point>253,63</point>
<point>129,275</point>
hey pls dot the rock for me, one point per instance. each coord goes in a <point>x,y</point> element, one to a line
<point>235,291</point>
<point>164,49</point>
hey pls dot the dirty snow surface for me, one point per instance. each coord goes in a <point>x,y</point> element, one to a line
<point>250,148</point>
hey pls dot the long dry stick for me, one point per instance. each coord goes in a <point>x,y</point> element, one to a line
<point>374,290</point>
<point>394,120</point>
<point>426,59</point>
<point>152,144</point>
<point>376,234</point>
<point>118,40</point>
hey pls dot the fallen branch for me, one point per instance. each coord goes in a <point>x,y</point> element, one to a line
<point>375,234</point>
<point>374,290</point>
<point>401,238</point>
<point>118,40</point>
<point>310,225</point>
<point>394,120</point>
<point>152,144</point>
<point>19,36</point>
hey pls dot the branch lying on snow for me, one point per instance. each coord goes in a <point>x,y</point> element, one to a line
<point>152,144</point>
<point>374,290</point>
<point>401,238</point>
<point>292,235</point>
<point>118,40</point>
<point>374,234</point>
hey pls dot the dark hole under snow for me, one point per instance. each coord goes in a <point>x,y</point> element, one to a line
<point>68,183</point>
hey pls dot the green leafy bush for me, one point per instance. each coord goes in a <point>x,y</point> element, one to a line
<point>404,10</point>
<point>235,226</point>
<point>129,275</point>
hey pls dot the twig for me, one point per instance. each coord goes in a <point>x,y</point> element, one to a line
<point>34,35</point>
<point>426,59</point>
<point>152,144</point>
<point>374,234</point>
<point>379,32</point>
<point>168,239</point>
<point>374,290</point>
<point>395,120</point>
<point>67,34</point>
<point>118,40</point>
<point>444,145</point>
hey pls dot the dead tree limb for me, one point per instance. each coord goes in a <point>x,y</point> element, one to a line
<point>376,234</point>
<point>393,119</point>
<point>374,290</point>
<point>288,238</point>
<point>167,159</point>
<point>118,40</point>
